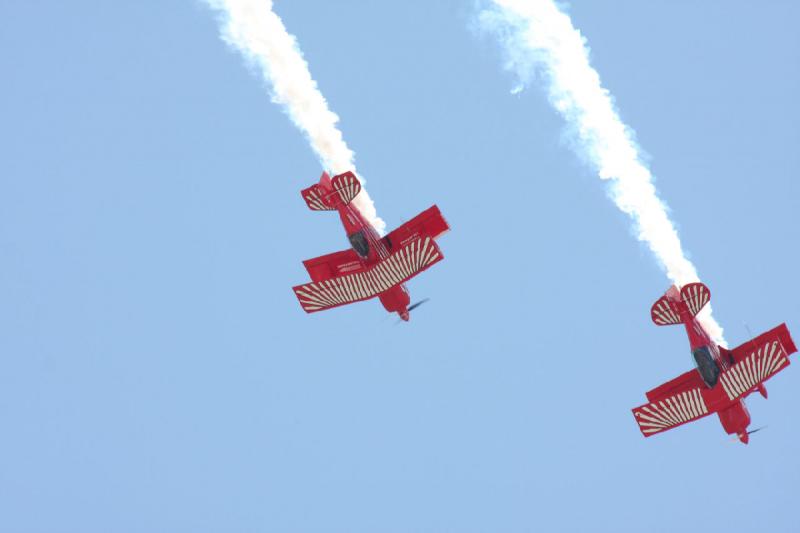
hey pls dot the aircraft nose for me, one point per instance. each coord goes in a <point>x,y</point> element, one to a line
<point>744,437</point>
<point>404,315</point>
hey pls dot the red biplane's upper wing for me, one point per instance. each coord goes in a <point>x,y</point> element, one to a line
<point>685,382</point>
<point>429,223</point>
<point>405,262</point>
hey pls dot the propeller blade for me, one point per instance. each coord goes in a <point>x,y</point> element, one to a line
<point>414,306</point>
<point>755,430</point>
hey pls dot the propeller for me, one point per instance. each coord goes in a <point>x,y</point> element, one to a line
<point>414,306</point>
<point>735,437</point>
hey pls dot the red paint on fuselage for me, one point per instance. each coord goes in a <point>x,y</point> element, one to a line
<point>736,418</point>
<point>698,336</point>
<point>395,299</point>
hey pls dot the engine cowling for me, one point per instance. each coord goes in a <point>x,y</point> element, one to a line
<point>735,420</point>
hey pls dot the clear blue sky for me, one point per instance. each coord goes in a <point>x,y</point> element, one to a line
<point>159,375</point>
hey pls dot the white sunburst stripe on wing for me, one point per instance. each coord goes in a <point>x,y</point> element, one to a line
<point>776,360</point>
<point>403,259</point>
<point>670,405</point>
<point>401,265</point>
<point>649,418</point>
<point>314,298</point>
<point>347,285</point>
<point>392,268</point>
<point>732,383</point>
<point>761,366</point>
<point>334,289</point>
<point>408,259</point>
<point>754,369</point>
<point>699,402</point>
<point>387,276</point>
<point>426,256</point>
<point>660,417</point>
<point>671,411</point>
<point>683,405</point>
<point>773,360</point>
<point>666,405</point>
<point>691,407</point>
<point>362,286</point>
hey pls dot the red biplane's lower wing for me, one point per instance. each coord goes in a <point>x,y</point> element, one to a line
<point>671,411</point>
<point>685,382</point>
<point>404,263</point>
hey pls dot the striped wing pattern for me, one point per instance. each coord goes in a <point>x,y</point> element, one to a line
<point>695,295</point>
<point>313,198</point>
<point>346,186</point>
<point>670,412</point>
<point>662,314</point>
<point>407,262</point>
<point>754,369</point>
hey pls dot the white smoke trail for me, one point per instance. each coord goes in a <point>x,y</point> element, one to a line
<point>536,34</point>
<point>253,28</point>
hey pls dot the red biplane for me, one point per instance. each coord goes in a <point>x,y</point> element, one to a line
<point>723,378</point>
<point>374,265</point>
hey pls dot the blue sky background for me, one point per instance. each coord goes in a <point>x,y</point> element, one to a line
<point>159,375</point>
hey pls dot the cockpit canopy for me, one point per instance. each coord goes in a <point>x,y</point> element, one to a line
<point>359,243</point>
<point>706,365</point>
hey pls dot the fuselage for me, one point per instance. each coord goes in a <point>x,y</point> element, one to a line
<point>711,360</point>
<point>371,249</point>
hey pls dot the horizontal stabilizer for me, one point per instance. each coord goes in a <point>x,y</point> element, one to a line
<point>332,193</point>
<point>346,186</point>
<point>695,296</point>
<point>405,263</point>
<point>667,309</point>
<point>663,314</point>
<point>315,198</point>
